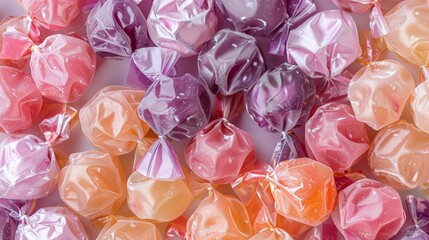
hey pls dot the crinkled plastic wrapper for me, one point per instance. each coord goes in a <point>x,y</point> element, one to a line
<point>419,212</point>
<point>118,227</point>
<point>21,100</point>
<point>255,17</point>
<point>335,137</point>
<point>109,119</point>
<point>278,102</point>
<point>231,62</point>
<point>63,67</point>
<point>183,26</point>
<point>419,106</point>
<point>28,168</point>
<point>219,217</point>
<point>324,53</point>
<point>399,157</point>
<point>156,200</point>
<point>92,184</point>
<point>116,28</point>
<point>368,209</point>
<point>378,93</point>
<point>10,213</point>
<point>51,223</point>
<point>52,14</point>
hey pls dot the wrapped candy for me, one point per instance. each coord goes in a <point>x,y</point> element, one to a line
<point>62,66</point>
<point>279,101</point>
<point>22,101</point>
<point>109,119</point>
<point>303,191</point>
<point>183,26</point>
<point>368,209</point>
<point>10,211</point>
<point>324,53</point>
<point>28,165</point>
<point>325,231</point>
<point>335,137</point>
<point>378,93</point>
<point>116,28</point>
<point>47,223</point>
<point>418,210</point>
<point>221,150</point>
<point>52,14</point>
<point>230,63</point>
<point>118,227</point>
<point>377,23</point>
<point>92,184</point>
<point>398,156</point>
<point>405,19</point>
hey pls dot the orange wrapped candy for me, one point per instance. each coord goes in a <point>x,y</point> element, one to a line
<point>109,120</point>
<point>118,227</point>
<point>92,184</point>
<point>399,156</point>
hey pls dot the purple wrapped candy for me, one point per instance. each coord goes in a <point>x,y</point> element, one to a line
<point>162,61</point>
<point>10,215</point>
<point>49,224</point>
<point>116,28</point>
<point>254,17</point>
<point>28,165</point>
<point>278,102</point>
<point>182,25</point>
<point>90,4</point>
<point>324,53</point>
<point>231,62</point>
<point>419,212</point>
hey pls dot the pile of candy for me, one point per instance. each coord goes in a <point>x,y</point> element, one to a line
<point>284,63</point>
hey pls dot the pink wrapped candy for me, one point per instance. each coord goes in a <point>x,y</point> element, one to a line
<point>368,210</point>
<point>335,137</point>
<point>28,166</point>
<point>21,101</point>
<point>324,53</point>
<point>378,92</point>
<point>51,223</point>
<point>183,26</point>
<point>52,14</point>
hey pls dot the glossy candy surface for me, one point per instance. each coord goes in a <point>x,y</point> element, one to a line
<point>128,228</point>
<point>368,209</point>
<point>92,184</point>
<point>183,26</point>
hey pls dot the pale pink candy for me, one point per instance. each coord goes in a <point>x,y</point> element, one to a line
<point>335,137</point>
<point>63,67</point>
<point>420,104</point>
<point>183,26</point>
<point>20,100</point>
<point>378,93</point>
<point>52,14</point>
<point>368,210</point>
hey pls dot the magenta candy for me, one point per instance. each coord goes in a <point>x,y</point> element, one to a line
<point>116,28</point>
<point>370,210</point>
<point>324,53</point>
<point>183,26</point>
<point>231,62</point>
<point>63,67</point>
<point>335,137</point>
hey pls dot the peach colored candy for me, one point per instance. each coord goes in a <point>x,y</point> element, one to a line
<point>52,14</point>
<point>368,210</point>
<point>92,184</point>
<point>399,156</point>
<point>63,67</point>
<point>128,228</point>
<point>304,190</point>
<point>379,92</point>
<point>272,234</point>
<point>161,201</point>
<point>20,100</point>
<point>420,105</point>
<point>219,217</point>
<point>335,137</point>
<point>109,119</point>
